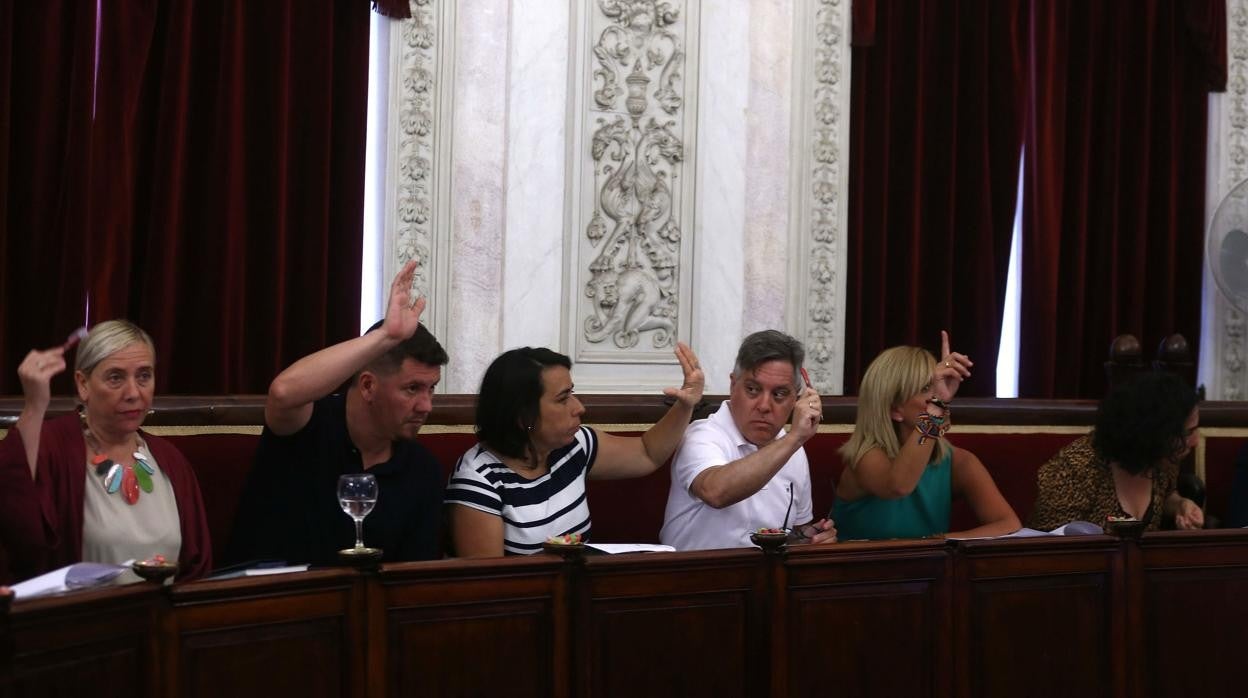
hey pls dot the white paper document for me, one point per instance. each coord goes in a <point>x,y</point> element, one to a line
<point>614,548</point>
<point>261,571</point>
<point>257,571</point>
<point>1074,528</point>
<point>81,575</point>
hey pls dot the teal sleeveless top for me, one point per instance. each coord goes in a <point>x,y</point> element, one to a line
<point>923,513</point>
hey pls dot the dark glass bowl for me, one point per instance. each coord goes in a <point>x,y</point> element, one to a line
<point>769,541</point>
<point>155,571</point>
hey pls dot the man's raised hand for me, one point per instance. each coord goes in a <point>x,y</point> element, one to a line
<point>402,312</point>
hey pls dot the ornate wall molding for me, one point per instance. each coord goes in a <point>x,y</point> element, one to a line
<point>821,183</point>
<point>630,178</point>
<point>419,136</point>
<point>1229,166</point>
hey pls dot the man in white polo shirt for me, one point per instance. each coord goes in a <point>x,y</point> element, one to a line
<point>738,470</point>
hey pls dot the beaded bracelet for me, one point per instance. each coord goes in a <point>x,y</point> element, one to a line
<point>931,427</point>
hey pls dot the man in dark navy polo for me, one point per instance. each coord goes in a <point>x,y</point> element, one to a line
<point>289,510</point>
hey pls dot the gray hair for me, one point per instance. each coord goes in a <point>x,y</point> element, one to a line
<point>106,339</point>
<point>771,345</point>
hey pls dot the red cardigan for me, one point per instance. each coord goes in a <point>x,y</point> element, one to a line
<point>41,518</point>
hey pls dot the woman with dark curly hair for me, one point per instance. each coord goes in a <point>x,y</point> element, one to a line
<point>1129,465</point>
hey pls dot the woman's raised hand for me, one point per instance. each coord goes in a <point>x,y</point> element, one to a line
<point>951,370</point>
<point>403,313</point>
<point>690,391</point>
<point>35,374</point>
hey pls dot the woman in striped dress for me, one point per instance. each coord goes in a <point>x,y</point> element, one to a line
<point>525,481</point>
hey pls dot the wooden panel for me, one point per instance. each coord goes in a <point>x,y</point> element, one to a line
<point>97,643</point>
<point>1041,637</point>
<point>676,624</point>
<point>1195,628</point>
<point>489,627</point>
<point>1036,618</point>
<point>266,660</point>
<point>1195,589</point>
<point>686,645</point>
<point>259,636</point>
<point>498,648</point>
<point>868,620</point>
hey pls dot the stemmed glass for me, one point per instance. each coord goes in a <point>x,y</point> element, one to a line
<point>357,494</point>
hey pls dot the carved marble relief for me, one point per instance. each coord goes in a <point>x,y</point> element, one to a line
<point>634,136</point>
<point>1234,127</point>
<point>825,89</point>
<point>414,139</point>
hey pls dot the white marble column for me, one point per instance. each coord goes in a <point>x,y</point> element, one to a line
<point>496,182</point>
<point>1223,351</point>
<point>720,238</point>
<point>478,187</point>
<point>537,99</point>
<point>768,151</point>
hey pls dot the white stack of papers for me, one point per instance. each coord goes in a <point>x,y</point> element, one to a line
<point>81,575</point>
<point>1074,528</point>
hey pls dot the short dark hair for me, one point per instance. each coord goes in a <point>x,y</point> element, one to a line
<point>422,346</point>
<point>1141,421</point>
<point>770,345</point>
<point>509,401</point>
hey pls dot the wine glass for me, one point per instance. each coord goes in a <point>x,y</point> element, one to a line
<point>357,494</point>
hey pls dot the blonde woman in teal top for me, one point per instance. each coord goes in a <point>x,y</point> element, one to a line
<point>902,474</point>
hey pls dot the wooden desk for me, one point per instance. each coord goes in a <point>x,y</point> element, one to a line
<point>102,643</point>
<point>471,627</point>
<point>1188,624</point>
<point>299,635</point>
<point>1040,617</point>
<point>1036,617</point>
<point>687,624</point>
<point>864,619</point>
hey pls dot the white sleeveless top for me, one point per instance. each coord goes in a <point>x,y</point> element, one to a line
<point>114,531</point>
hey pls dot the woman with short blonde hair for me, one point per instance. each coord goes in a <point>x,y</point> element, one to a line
<point>895,375</point>
<point>108,338</point>
<point>902,473</point>
<point>93,486</point>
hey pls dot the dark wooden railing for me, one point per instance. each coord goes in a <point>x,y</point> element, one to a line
<point>236,410</point>
<point>1091,616</point>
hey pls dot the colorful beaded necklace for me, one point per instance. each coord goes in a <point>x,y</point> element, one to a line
<point>118,477</point>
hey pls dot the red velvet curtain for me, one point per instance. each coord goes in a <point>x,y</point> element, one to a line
<point>938,94</point>
<point>46,86</point>
<point>222,180</point>
<point>1115,156</point>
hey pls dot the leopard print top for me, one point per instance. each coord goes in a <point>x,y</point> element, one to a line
<point>1076,485</point>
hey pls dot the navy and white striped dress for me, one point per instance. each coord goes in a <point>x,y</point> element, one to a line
<point>532,510</point>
